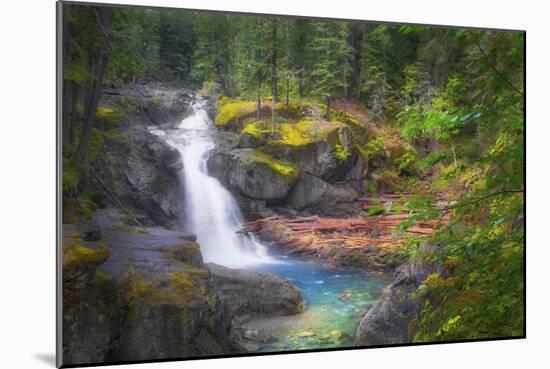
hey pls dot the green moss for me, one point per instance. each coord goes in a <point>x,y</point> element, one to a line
<point>188,253</point>
<point>294,134</point>
<point>283,168</point>
<point>102,278</point>
<point>109,115</point>
<point>181,283</point>
<point>230,110</point>
<point>85,209</point>
<point>75,254</point>
<point>359,130</point>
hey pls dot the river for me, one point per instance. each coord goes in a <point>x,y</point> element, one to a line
<point>336,299</point>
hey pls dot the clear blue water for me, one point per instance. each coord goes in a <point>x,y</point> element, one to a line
<point>337,299</point>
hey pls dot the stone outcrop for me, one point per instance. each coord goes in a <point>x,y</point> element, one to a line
<point>138,293</point>
<point>255,294</point>
<point>253,174</point>
<point>146,104</point>
<point>314,193</point>
<point>138,171</point>
<point>389,320</point>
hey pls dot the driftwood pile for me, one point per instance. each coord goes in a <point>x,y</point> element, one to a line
<point>353,233</point>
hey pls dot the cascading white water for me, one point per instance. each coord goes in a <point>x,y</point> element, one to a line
<point>211,212</point>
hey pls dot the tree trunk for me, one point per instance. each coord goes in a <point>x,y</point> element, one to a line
<point>328,109</point>
<point>274,91</point>
<point>95,93</point>
<point>258,72</point>
<point>258,96</point>
<point>287,88</point>
<point>345,82</point>
<point>74,100</point>
<point>272,117</point>
<point>65,87</point>
<point>300,84</point>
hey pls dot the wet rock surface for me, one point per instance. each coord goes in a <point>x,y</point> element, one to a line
<point>140,173</point>
<point>142,293</point>
<point>256,179</point>
<point>389,320</point>
<point>256,294</point>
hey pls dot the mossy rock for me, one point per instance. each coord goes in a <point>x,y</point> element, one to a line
<point>234,113</point>
<point>231,111</point>
<point>297,134</point>
<point>80,261</point>
<point>188,253</point>
<point>74,210</point>
<point>285,169</point>
<point>109,115</point>
<point>254,173</point>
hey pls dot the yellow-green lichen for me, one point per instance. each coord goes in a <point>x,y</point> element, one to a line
<point>102,277</point>
<point>187,253</point>
<point>109,115</point>
<point>294,134</point>
<point>283,168</point>
<point>75,254</point>
<point>229,110</point>
<point>181,282</point>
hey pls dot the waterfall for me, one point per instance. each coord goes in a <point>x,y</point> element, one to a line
<point>211,212</point>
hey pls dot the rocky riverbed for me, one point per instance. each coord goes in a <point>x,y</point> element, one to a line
<point>136,287</point>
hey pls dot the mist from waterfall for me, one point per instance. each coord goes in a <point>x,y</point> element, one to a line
<point>211,212</point>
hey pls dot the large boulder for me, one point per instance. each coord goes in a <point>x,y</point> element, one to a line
<point>389,320</point>
<point>256,294</point>
<point>314,193</point>
<point>138,294</point>
<point>323,149</point>
<point>253,173</point>
<point>140,172</point>
<point>145,104</point>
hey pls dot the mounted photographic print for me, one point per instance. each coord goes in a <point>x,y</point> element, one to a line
<point>240,184</point>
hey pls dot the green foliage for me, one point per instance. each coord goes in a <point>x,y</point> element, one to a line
<point>407,162</point>
<point>341,152</point>
<point>432,158</point>
<point>331,66</point>
<point>374,149</point>
<point>377,210</point>
<point>483,245</point>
